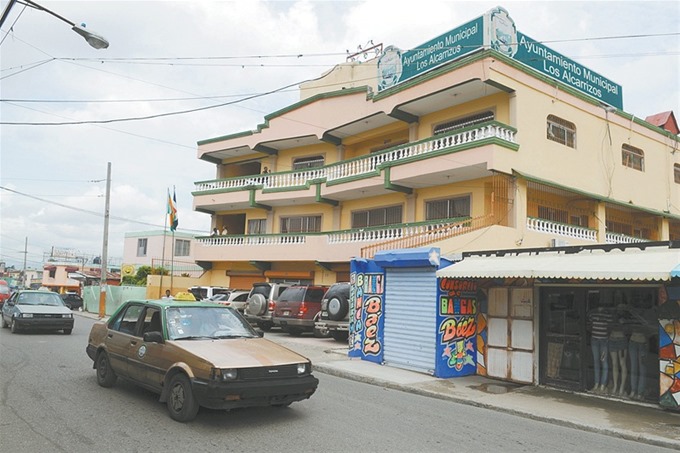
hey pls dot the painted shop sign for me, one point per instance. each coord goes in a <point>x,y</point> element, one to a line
<point>495,30</point>
<point>367,320</point>
<point>457,327</point>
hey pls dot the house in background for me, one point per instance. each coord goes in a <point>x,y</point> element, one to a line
<point>171,251</point>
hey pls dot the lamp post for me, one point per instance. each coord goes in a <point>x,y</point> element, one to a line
<point>93,39</point>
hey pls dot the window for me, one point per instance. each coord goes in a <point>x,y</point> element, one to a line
<point>561,131</point>
<point>257,226</point>
<point>376,217</point>
<point>579,220</point>
<point>302,224</point>
<point>141,247</point>
<point>676,170</point>
<point>126,322</point>
<point>618,228</point>
<point>463,122</point>
<point>302,163</point>
<point>182,247</point>
<point>448,208</point>
<point>633,157</point>
<point>552,214</point>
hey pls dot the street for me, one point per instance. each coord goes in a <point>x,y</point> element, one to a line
<point>50,402</point>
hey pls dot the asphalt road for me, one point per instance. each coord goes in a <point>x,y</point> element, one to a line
<point>50,402</point>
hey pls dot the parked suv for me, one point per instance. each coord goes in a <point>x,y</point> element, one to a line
<point>297,307</point>
<point>261,302</point>
<point>334,317</point>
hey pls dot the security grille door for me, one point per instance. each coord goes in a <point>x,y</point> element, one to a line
<point>410,318</point>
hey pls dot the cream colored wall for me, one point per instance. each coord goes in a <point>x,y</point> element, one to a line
<point>595,164</point>
<point>346,75</point>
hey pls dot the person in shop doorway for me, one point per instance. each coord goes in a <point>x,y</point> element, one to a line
<point>600,321</point>
<point>618,347</point>
<point>638,346</point>
<point>215,232</point>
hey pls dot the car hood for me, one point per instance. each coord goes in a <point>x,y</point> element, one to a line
<point>241,352</point>
<point>45,309</point>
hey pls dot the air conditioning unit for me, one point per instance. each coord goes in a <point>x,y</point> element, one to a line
<point>558,243</point>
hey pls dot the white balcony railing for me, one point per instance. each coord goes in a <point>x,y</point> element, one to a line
<point>362,166</point>
<point>616,238</point>
<point>561,229</point>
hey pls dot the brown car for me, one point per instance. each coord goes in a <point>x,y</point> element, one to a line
<point>196,354</point>
<point>297,308</point>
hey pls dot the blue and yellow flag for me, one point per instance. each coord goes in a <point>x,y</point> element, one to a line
<point>172,210</point>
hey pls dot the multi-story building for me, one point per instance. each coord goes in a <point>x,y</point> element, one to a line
<point>480,139</point>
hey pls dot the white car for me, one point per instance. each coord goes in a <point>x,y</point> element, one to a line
<point>235,299</point>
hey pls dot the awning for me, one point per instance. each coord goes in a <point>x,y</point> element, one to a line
<point>652,263</point>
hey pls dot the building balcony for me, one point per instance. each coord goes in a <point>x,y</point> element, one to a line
<point>343,179</point>
<point>332,246</point>
<point>561,229</point>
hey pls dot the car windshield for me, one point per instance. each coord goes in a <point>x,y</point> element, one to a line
<point>201,323</point>
<point>51,299</point>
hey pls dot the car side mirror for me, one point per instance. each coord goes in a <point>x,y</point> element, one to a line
<point>10,304</point>
<point>153,337</point>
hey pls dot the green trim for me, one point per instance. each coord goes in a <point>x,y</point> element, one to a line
<point>266,150</point>
<point>261,265</point>
<point>332,139</point>
<point>208,141</point>
<point>321,199</point>
<point>395,187</point>
<point>254,204</point>
<point>596,196</point>
<point>404,116</point>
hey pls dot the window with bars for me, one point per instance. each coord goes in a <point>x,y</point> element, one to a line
<point>553,214</point>
<point>377,217</point>
<point>633,157</point>
<point>141,246</point>
<point>447,208</point>
<point>302,163</point>
<point>460,123</point>
<point>561,131</point>
<point>676,172</point>
<point>257,226</point>
<point>619,227</point>
<point>182,247</point>
<point>301,224</point>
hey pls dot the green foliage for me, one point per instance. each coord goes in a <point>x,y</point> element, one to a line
<point>139,279</point>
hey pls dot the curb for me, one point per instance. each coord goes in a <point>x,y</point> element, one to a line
<point>627,435</point>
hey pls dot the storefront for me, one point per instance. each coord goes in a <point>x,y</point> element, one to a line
<point>604,319</point>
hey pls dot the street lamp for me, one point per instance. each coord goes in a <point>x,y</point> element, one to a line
<point>93,39</point>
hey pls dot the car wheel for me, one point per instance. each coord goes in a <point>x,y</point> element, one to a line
<point>182,405</point>
<point>67,331</point>
<point>257,305</point>
<point>338,307</point>
<point>3,322</point>
<point>13,326</point>
<point>106,377</point>
<point>265,326</point>
<point>340,335</point>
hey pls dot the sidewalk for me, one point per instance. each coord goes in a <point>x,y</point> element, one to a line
<point>635,421</point>
<point>641,422</point>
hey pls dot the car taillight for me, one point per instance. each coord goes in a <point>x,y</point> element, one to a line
<point>302,310</point>
<point>272,305</point>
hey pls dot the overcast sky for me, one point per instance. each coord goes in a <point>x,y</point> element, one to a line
<point>169,57</point>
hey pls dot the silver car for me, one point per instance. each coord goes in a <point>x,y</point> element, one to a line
<point>36,310</point>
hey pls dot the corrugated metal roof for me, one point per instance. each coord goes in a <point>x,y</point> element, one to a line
<point>630,264</point>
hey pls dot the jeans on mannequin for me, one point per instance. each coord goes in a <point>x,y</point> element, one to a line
<point>600,362</point>
<point>638,355</point>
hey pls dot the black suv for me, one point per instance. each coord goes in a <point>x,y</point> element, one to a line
<point>334,316</point>
<point>72,300</point>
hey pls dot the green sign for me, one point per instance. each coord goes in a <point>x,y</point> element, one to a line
<point>395,67</point>
<point>495,30</point>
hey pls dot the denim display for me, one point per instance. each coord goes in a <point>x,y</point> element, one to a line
<point>600,360</point>
<point>638,355</point>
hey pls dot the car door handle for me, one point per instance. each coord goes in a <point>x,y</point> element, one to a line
<point>133,343</point>
<point>109,335</point>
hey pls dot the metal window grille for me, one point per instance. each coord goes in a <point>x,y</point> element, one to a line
<point>448,208</point>
<point>633,157</point>
<point>561,131</point>
<point>463,122</point>
<point>141,247</point>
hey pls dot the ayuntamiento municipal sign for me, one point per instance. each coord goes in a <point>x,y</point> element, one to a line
<point>494,30</point>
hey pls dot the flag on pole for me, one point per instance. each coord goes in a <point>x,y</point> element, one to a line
<point>172,210</point>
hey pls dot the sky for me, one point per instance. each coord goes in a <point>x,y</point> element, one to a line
<point>218,60</point>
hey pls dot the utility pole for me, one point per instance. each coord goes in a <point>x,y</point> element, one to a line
<point>103,269</point>
<point>23,272</point>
